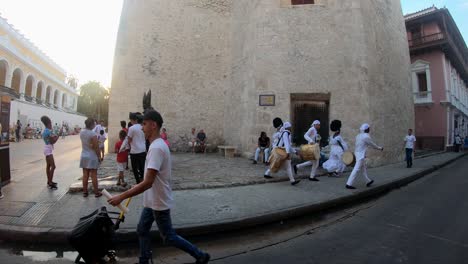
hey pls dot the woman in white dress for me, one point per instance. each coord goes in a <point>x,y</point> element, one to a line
<point>334,165</point>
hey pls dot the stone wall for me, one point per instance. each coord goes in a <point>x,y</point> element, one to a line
<point>208,61</point>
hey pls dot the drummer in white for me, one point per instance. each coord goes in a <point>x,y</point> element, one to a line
<point>363,140</point>
<point>312,137</point>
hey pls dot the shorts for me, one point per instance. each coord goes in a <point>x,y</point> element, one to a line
<point>121,166</point>
<point>48,149</point>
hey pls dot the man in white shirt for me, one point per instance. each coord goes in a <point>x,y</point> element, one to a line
<point>312,137</point>
<point>137,142</point>
<point>157,195</point>
<point>363,141</point>
<point>284,141</point>
<point>409,147</point>
<point>99,126</point>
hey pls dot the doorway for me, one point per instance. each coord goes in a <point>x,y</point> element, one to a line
<point>305,108</point>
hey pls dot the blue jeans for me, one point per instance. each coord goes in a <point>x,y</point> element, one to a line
<point>409,157</point>
<point>168,234</point>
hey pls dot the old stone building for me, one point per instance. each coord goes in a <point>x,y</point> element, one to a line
<point>230,67</point>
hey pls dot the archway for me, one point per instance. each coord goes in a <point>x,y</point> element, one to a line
<point>16,80</point>
<point>29,87</point>
<point>64,100</point>
<point>56,95</point>
<point>3,71</point>
<point>39,91</point>
<point>48,94</point>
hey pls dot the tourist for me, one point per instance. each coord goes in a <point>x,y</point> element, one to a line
<point>363,141</point>
<point>193,140</point>
<point>335,165</point>
<point>164,137</point>
<point>201,141</point>
<point>312,137</point>
<point>458,142</point>
<point>64,130</point>
<point>136,140</point>
<point>89,160</point>
<point>50,138</point>
<point>122,158</point>
<point>56,129</point>
<point>18,131</point>
<point>285,142</point>
<point>101,140</point>
<point>262,145</point>
<point>99,127</point>
<point>123,125</point>
<point>409,148</point>
<point>157,195</point>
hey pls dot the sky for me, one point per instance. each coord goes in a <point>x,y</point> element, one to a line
<point>80,35</point>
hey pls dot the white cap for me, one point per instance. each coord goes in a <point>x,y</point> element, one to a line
<point>287,125</point>
<point>316,122</point>
<point>364,127</point>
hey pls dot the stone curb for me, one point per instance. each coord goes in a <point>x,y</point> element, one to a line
<point>59,235</point>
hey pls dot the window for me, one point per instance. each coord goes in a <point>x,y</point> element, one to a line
<point>422,82</point>
<point>302,2</point>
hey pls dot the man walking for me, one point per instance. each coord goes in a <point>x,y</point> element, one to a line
<point>312,137</point>
<point>157,195</point>
<point>409,148</point>
<point>136,140</point>
<point>363,141</point>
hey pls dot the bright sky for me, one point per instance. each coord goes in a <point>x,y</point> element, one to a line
<point>80,35</point>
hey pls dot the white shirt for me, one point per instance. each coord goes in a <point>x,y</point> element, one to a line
<point>138,144</point>
<point>97,129</point>
<point>410,141</point>
<point>363,140</point>
<point>311,135</point>
<point>159,196</point>
<point>285,142</point>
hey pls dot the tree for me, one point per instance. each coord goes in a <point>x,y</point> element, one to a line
<point>94,100</point>
<point>72,81</point>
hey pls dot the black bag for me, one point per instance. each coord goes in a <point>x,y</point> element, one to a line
<point>93,236</point>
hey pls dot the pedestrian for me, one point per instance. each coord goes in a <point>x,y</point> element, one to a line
<point>335,165</point>
<point>458,142</point>
<point>89,160</point>
<point>99,127</point>
<point>122,158</point>
<point>312,137</point>
<point>137,142</point>
<point>193,140</point>
<point>201,141</point>
<point>409,148</point>
<point>18,131</point>
<point>123,125</point>
<point>102,140</point>
<point>50,138</point>
<point>157,195</point>
<point>284,141</point>
<point>363,141</point>
<point>263,144</point>
<point>164,136</point>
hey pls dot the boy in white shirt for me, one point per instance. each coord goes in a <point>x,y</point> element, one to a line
<point>157,195</point>
<point>409,148</point>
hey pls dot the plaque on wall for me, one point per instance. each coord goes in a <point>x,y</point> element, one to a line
<point>266,100</point>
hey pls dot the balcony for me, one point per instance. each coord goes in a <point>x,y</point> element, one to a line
<point>423,97</point>
<point>427,40</point>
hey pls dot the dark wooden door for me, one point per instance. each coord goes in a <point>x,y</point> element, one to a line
<point>304,113</point>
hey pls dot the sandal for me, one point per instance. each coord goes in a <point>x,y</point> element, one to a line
<point>97,195</point>
<point>85,194</point>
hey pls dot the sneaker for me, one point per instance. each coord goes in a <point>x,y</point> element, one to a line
<point>2,196</point>
<point>313,179</point>
<point>370,183</point>
<point>350,187</point>
<point>203,260</point>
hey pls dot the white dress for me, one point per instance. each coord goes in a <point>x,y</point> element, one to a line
<point>334,162</point>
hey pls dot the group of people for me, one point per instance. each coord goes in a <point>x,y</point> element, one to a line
<point>334,165</point>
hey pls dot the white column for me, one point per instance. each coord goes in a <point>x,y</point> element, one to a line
<point>34,90</point>
<point>22,87</point>
<point>8,77</point>
<point>43,92</point>
<point>52,96</point>
<point>59,101</point>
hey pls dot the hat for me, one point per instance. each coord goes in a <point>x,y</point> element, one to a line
<point>364,127</point>
<point>287,125</point>
<point>316,122</point>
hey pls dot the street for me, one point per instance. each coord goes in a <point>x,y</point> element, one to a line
<point>424,222</point>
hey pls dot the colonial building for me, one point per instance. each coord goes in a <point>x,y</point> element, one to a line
<point>439,71</point>
<point>229,67</point>
<point>35,82</point>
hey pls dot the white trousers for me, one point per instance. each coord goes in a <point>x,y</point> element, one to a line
<point>360,165</point>
<point>266,153</point>
<point>286,166</point>
<point>313,163</point>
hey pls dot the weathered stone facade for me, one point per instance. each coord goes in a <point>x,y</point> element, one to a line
<point>207,62</point>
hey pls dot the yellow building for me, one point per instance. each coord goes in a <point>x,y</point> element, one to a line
<point>35,82</point>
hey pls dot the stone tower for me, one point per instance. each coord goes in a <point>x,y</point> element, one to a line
<point>208,61</point>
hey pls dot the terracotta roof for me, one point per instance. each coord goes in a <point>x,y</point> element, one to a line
<point>421,13</point>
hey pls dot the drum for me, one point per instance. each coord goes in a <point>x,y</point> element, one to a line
<point>348,158</point>
<point>310,152</point>
<point>278,156</point>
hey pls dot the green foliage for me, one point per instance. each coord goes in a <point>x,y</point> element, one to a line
<point>94,100</point>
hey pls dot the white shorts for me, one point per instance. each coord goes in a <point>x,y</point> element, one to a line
<point>48,149</point>
<point>121,166</point>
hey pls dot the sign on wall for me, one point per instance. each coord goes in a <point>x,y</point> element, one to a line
<point>266,100</point>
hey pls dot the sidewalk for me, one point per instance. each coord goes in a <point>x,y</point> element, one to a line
<point>208,210</point>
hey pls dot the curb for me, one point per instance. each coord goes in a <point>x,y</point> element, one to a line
<point>56,235</point>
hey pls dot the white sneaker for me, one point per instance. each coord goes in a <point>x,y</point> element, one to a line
<point>1,195</point>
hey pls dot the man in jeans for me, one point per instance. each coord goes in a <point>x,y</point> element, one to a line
<point>157,195</point>
<point>137,142</point>
<point>409,148</point>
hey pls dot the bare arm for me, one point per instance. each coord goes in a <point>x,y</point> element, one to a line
<point>137,189</point>
<point>95,145</point>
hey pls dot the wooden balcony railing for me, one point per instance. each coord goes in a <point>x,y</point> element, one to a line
<point>427,39</point>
